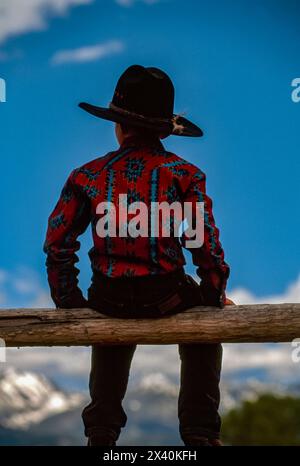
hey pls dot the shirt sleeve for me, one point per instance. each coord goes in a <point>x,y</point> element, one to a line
<point>209,258</point>
<point>69,219</point>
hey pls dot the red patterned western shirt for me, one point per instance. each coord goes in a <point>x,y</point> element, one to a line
<point>147,173</point>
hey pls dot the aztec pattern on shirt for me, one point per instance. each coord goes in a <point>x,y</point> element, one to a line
<point>147,173</point>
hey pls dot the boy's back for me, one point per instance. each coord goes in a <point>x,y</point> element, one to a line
<point>102,190</point>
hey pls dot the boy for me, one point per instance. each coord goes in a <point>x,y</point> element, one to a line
<point>140,276</point>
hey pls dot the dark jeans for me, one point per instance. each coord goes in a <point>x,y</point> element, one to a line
<point>199,395</point>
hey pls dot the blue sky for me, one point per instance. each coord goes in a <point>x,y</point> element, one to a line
<point>232,64</point>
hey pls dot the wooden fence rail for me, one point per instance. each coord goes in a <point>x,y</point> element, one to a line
<point>76,327</point>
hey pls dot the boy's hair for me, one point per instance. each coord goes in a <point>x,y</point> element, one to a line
<point>144,132</point>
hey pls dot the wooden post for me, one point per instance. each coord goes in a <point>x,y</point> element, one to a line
<point>77,327</point>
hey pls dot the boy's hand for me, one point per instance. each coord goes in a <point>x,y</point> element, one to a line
<point>76,301</point>
<point>228,302</point>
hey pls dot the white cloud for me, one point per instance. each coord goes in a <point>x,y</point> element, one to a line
<point>87,54</point>
<point>22,285</point>
<point>270,357</point>
<point>272,361</point>
<point>290,295</point>
<point>22,16</point>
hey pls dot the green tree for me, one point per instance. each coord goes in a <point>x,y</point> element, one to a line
<point>269,420</point>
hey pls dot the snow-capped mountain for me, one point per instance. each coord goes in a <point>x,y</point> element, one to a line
<point>34,411</point>
<point>27,398</point>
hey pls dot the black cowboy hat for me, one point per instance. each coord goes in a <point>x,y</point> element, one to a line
<point>144,97</point>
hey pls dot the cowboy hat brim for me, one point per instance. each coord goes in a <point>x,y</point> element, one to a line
<point>177,126</point>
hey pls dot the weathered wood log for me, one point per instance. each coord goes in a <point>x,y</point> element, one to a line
<point>76,327</point>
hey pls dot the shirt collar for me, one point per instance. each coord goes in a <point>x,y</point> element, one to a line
<point>142,141</point>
